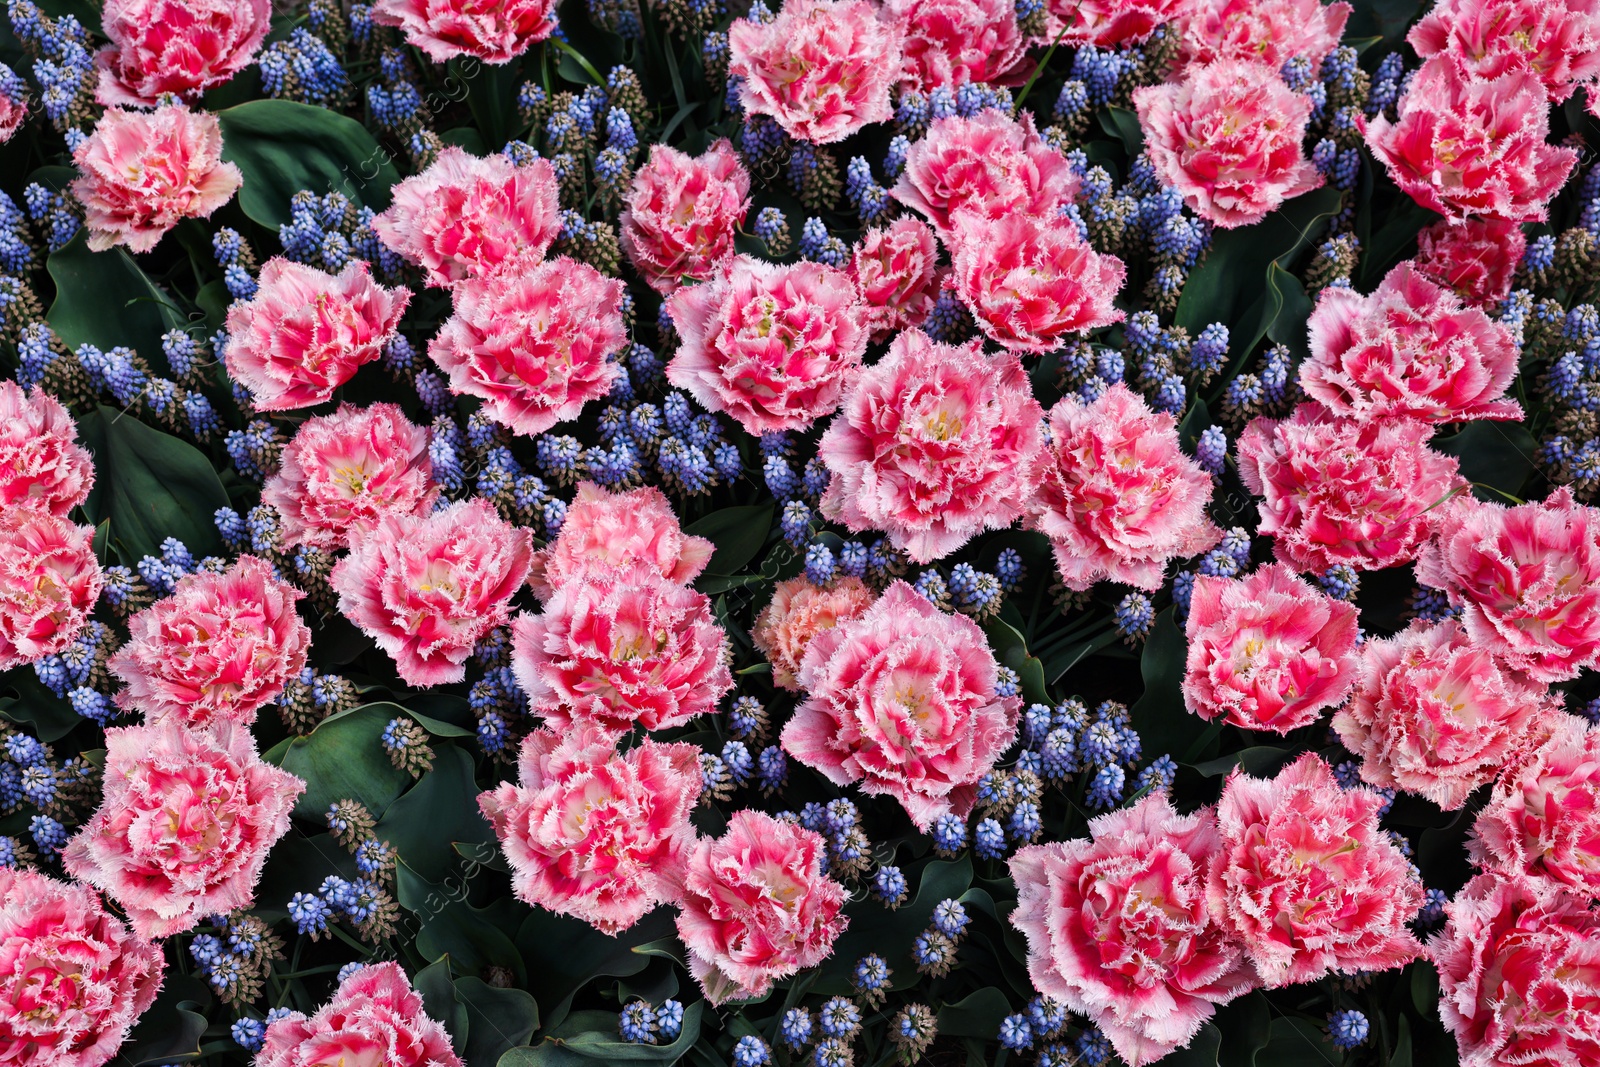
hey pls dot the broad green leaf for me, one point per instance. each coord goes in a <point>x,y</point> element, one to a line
<point>874,928</point>
<point>283,147</point>
<point>587,1036</point>
<point>151,486</point>
<point>438,993</point>
<point>343,758</point>
<point>1201,1052</point>
<point>1296,1042</point>
<point>1262,761</point>
<point>976,1015</point>
<point>738,534</point>
<point>1123,124</point>
<point>1164,724</point>
<point>104,299</point>
<point>1229,285</point>
<point>45,715</point>
<point>1011,649</point>
<point>442,808</point>
<point>1497,454</point>
<point>170,1028</point>
<point>298,864</point>
<point>497,1019</point>
<point>568,954</point>
<point>1290,309</point>
<point>442,924</point>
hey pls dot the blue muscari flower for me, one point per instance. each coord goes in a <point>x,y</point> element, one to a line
<point>48,834</point>
<point>839,1017</point>
<point>1340,581</point>
<point>1210,349</point>
<point>1047,1017</point>
<point>871,974</point>
<point>820,567</point>
<point>911,111</point>
<point>1540,254</point>
<point>852,559</point>
<point>1433,902</point>
<point>91,704</point>
<point>25,751</point>
<point>669,1020</point>
<point>1182,591</point>
<point>989,839</point>
<point>950,918</point>
<point>1024,823</point>
<point>1016,1033</point>
<point>751,1051</point>
<point>52,672</point>
<point>1093,1048</point>
<point>1058,754</point>
<point>202,417</point>
<point>1134,615</point>
<point>818,245</point>
<point>949,833</point>
<point>249,1034</point>
<point>1159,776</point>
<point>795,522</point>
<point>1072,100</point>
<point>770,225</point>
<point>303,69</point>
<point>1105,790</point>
<point>1211,450</point>
<point>1348,1028</point>
<point>1275,368</point>
<point>945,317</point>
<point>373,856</point>
<point>1386,79</point>
<point>871,200</point>
<point>1009,569</point>
<point>942,103</point>
<point>889,884</point>
<point>309,912</point>
<point>637,1023</point>
<point>39,785</point>
<point>736,758</point>
<point>1037,720</point>
<point>795,1028</point>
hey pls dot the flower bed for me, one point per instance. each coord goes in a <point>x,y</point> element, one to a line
<point>855,532</point>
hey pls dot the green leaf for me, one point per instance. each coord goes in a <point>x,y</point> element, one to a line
<point>343,758</point>
<point>738,534</point>
<point>1201,1052</point>
<point>1425,989</point>
<point>874,928</point>
<point>170,1028</point>
<point>442,808</point>
<point>1228,286</point>
<point>1011,649</point>
<point>1401,1056</point>
<point>104,299</point>
<point>1296,1042</point>
<point>446,925</point>
<point>438,993</point>
<point>283,147</point>
<point>1163,722</point>
<point>1123,124</point>
<point>151,486</point>
<point>977,1015</point>
<point>1245,1026</point>
<point>1497,454</point>
<point>47,716</point>
<point>1290,308</point>
<point>299,864</point>
<point>1262,761</point>
<point>587,1036</point>
<point>497,1019</point>
<point>571,954</point>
